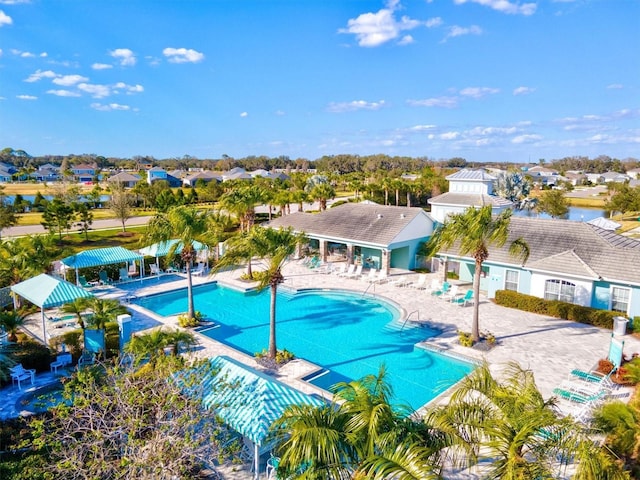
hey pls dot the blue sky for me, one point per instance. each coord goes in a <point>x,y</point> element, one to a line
<point>487,80</point>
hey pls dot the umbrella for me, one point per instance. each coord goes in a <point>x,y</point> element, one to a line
<point>46,291</point>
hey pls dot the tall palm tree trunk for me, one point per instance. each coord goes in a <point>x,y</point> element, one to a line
<point>272,322</point>
<point>475,327</point>
<point>190,309</point>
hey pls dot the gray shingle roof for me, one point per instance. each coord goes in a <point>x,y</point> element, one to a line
<point>471,175</point>
<point>371,224</point>
<point>469,199</point>
<point>572,248</point>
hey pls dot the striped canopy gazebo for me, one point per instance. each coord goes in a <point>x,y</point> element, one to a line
<point>46,291</point>
<point>161,249</point>
<point>102,256</point>
<point>248,400</point>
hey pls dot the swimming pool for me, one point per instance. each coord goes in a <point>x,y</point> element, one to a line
<point>347,334</point>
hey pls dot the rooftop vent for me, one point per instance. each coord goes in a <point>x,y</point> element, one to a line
<point>402,215</point>
<point>379,216</point>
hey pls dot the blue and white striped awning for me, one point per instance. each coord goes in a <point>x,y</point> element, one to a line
<point>161,249</point>
<point>247,400</point>
<point>101,256</point>
<point>46,291</point>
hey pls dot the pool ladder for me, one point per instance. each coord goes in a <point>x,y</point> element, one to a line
<point>407,318</point>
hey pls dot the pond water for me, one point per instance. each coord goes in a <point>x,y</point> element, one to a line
<point>579,214</point>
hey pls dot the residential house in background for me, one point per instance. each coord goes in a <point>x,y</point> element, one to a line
<point>542,176</point>
<point>614,177</point>
<point>84,173</point>
<point>204,176</point>
<point>126,179</point>
<point>156,173</point>
<point>467,188</point>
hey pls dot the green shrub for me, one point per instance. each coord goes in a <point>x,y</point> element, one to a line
<point>72,341</point>
<point>185,322</point>
<point>555,308</point>
<point>33,354</point>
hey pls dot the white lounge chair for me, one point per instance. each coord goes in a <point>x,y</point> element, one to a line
<point>421,283</point>
<point>62,360</point>
<point>451,293</point>
<point>371,277</point>
<point>199,270</point>
<point>154,269</point>
<point>356,273</point>
<point>399,282</point>
<point>434,285</point>
<point>342,269</point>
<point>19,373</point>
<point>350,270</point>
<point>382,277</point>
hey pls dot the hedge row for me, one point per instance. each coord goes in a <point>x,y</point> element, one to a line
<point>555,308</point>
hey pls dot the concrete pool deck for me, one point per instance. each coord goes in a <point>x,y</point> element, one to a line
<point>550,347</point>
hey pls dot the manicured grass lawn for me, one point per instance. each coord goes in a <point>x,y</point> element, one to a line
<point>76,242</point>
<point>35,218</point>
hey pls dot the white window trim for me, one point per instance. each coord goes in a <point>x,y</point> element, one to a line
<point>611,297</point>
<point>517,272</point>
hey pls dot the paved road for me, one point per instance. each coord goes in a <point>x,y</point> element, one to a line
<point>22,230</point>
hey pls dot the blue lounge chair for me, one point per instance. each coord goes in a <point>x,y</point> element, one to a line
<point>468,297</point>
<point>104,278</point>
<point>441,291</point>
<point>82,280</point>
<point>578,397</point>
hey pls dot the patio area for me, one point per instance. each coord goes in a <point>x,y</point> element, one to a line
<point>550,347</point>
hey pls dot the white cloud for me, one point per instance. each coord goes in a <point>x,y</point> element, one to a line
<point>39,75</point>
<point>442,102</point>
<point>339,107</point>
<point>406,40</point>
<point>5,19</point>
<point>492,131</point>
<point>374,29</point>
<point>280,113</point>
<point>26,97</point>
<point>615,86</point>
<point>96,91</point>
<point>530,138</point>
<point>244,115</point>
<point>457,31</point>
<point>125,56</point>
<point>478,92</point>
<point>504,6</point>
<point>63,93</point>
<point>182,55</point>
<point>449,135</point>
<point>13,2</point>
<point>422,128</point>
<point>69,80</point>
<point>108,107</point>
<point>433,22</point>
<point>129,89</point>
<point>523,90</point>
<point>101,66</point>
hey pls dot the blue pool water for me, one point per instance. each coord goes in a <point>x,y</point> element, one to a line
<point>349,335</point>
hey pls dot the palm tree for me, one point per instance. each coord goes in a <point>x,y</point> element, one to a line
<point>77,308</point>
<point>473,232</point>
<point>11,321</point>
<point>152,345</point>
<point>321,193</point>
<point>103,311</point>
<point>274,247</point>
<point>188,225</point>
<point>242,202</point>
<point>621,423</point>
<point>359,435</point>
<point>508,422</point>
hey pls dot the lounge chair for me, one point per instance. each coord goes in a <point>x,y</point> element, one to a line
<point>444,289</point>
<point>594,378</point>
<point>19,373</point>
<point>578,397</point>
<point>154,269</point>
<point>371,276</point>
<point>421,283</point>
<point>199,270</point>
<point>451,293</point>
<point>462,301</point>
<point>341,269</point>
<point>357,273</point>
<point>434,285</point>
<point>104,278</point>
<point>124,275</point>
<point>350,270</point>
<point>84,283</point>
<point>399,282</point>
<point>382,277</point>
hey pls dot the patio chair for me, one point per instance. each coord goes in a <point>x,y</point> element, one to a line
<point>86,359</point>
<point>84,283</point>
<point>382,277</point>
<point>154,269</point>
<point>357,273</point>
<point>434,285</point>
<point>444,289</point>
<point>577,397</point>
<point>62,360</point>
<point>451,293</point>
<point>371,277</point>
<point>342,269</point>
<point>199,270</point>
<point>124,275</point>
<point>421,283</point>
<point>399,282</point>
<point>19,373</point>
<point>462,301</point>
<point>104,278</point>
<point>350,270</point>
